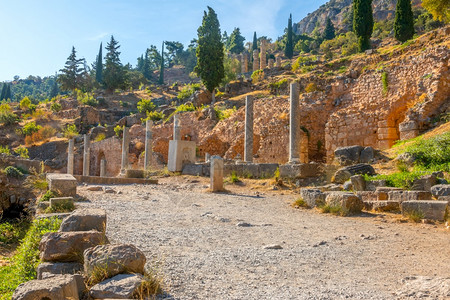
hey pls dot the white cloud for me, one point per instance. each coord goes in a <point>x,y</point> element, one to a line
<point>98,36</point>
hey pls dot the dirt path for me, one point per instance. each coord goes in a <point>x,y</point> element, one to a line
<point>203,254</point>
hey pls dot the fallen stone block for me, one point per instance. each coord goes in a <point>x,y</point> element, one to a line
<point>59,287</point>
<point>440,190</point>
<point>358,182</point>
<point>348,201</point>
<point>432,209</point>
<point>296,171</point>
<point>63,184</point>
<point>95,189</point>
<point>382,192</point>
<point>58,268</point>
<point>331,188</point>
<point>424,183</point>
<point>367,154</point>
<point>382,206</point>
<point>85,220</point>
<point>122,286</point>
<point>193,169</point>
<point>367,195</point>
<point>374,184</point>
<point>348,155</point>
<point>131,173</point>
<point>115,259</point>
<point>313,197</point>
<point>68,246</point>
<point>344,174</point>
<point>408,195</point>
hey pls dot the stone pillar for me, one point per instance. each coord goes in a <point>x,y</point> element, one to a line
<point>262,57</point>
<point>70,157</point>
<point>176,128</point>
<point>148,144</point>
<point>271,63</point>
<point>216,174</point>
<point>103,168</point>
<point>293,125</point>
<point>248,145</point>
<point>278,62</point>
<point>86,155</point>
<point>207,157</point>
<point>255,60</point>
<point>244,63</point>
<point>125,150</point>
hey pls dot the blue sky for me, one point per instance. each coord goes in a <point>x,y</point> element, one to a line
<point>37,36</point>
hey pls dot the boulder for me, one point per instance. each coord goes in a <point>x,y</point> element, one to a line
<point>116,259</point>
<point>85,220</point>
<point>348,186</point>
<point>440,190</point>
<point>367,154</point>
<point>432,209</point>
<point>348,155</point>
<point>68,246</point>
<point>122,286</point>
<point>424,183</point>
<point>59,287</point>
<point>200,98</point>
<point>58,268</point>
<point>348,201</point>
<point>313,197</point>
<point>358,182</point>
<point>344,174</point>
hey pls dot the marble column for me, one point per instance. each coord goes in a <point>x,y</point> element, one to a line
<point>294,152</point>
<point>176,128</point>
<point>70,157</point>
<point>255,60</point>
<point>148,144</point>
<point>216,175</point>
<point>262,58</point>
<point>248,145</point>
<point>103,168</point>
<point>86,155</point>
<point>125,149</point>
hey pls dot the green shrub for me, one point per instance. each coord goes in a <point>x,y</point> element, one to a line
<point>300,203</point>
<point>257,76</point>
<point>66,206</point>
<point>8,118</point>
<point>30,128</point>
<point>145,105</point>
<point>234,178</point>
<point>188,90</point>
<point>12,232</point>
<point>123,104</point>
<point>384,80</point>
<point>25,103</point>
<point>154,116</point>
<point>432,153</point>
<point>118,130</point>
<point>5,150</point>
<point>301,60</point>
<point>311,87</point>
<point>337,210</point>
<point>86,98</point>
<point>48,194</point>
<point>100,137</point>
<point>23,264</point>
<point>223,114</point>
<point>22,152</point>
<point>56,107</point>
<point>402,180</point>
<point>276,87</point>
<point>11,171</point>
<point>70,131</point>
<point>415,215</point>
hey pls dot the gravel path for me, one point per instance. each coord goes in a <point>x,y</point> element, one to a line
<point>213,246</point>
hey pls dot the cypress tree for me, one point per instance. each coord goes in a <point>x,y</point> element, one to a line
<point>99,66</point>
<point>329,32</point>
<point>363,23</point>
<point>113,75</point>
<point>404,21</point>
<point>8,92</point>
<point>161,68</point>
<point>289,49</point>
<point>3,92</point>
<point>255,42</point>
<point>236,42</point>
<point>209,52</point>
<point>54,90</point>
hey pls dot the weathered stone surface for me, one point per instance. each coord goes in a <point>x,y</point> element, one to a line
<point>422,287</point>
<point>432,209</point>
<point>131,173</point>
<point>296,171</point>
<point>358,182</point>
<point>119,287</point>
<point>372,185</point>
<point>382,192</point>
<point>332,188</point>
<point>313,197</point>
<point>55,288</point>
<point>408,195</point>
<point>424,183</point>
<point>181,152</point>
<point>440,190</point>
<point>122,258</point>
<point>58,268</point>
<point>344,174</point>
<point>367,195</point>
<point>216,176</point>
<point>61,201</point>
<point>348,155</point>
<point>193,169</point>
<point>367,154</point>
<point>85,220</point>
<point>382,206</point>
<point>348,201</point>
<point>63,184</point>
<point>68,246</point>
<point>348,186</point>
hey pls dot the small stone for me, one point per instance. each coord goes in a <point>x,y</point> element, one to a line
<point>243,224</point>
<point>110,191</point>
<point>273,247</point>
<point>95,188</point>
<point>121,286</point>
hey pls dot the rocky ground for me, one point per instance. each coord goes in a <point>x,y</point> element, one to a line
<point>247,244</point>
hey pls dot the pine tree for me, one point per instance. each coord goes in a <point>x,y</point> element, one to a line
<point>99,66</point>
<point>329,32</point>
<point>71,76</point>
<point>404,21</point>
<point>236,42</point>
<point>209,52</point>
<point>114,74</point>
<point>289,48</point>
<point>3,95</point>
<point>255,42</point>
<point>363,23</point>
<point>146,67</point>
<point>161,69</point>
<point>8,95</point>
<point>54,90</point>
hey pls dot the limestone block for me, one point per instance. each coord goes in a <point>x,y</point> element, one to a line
<point>63,184</point>
<point>193,169</point>
<point>85,220</point>
<point>372,185</point>
<point>382,206</point>
<point>216,175</point>
<point>407,126</point>
<point>131,173</point>
<point>348,201</point>
<point>344,174</point>
<point>180,153</point>
<point>313,197</point>
<point>348,155</point>
<point>410,134</point>
<point>296,171</point>
<point>58,268</point>
<point>68,246</point>
<point>251,170</point>
<point>121,286</point>
<point>440,190</point>
<point>358,182</point>
<point>408,195</point>
<point>424,183</point>
<point>432,209</point>
<point>61,201</point>
<point>367,154</point>
<point>382,192</point>
<point>56,288</point>
<point>267,170</point>
<point>367,195</point>
<point>116,259</point>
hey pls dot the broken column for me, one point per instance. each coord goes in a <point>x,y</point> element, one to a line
<point>103,168</point>
<point>86,155</point>
<point>248,146</point>
<point>255,60</point>
<point>148,144</point>
<point>278,62</point>
<point>262,58</point>
<point>176,128</point>
<point>180,152</point>
<point>244,63</point>
<point>216,174</point>
<point>293,125</point>
<point>125,150</point>
<point>70,157</point>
